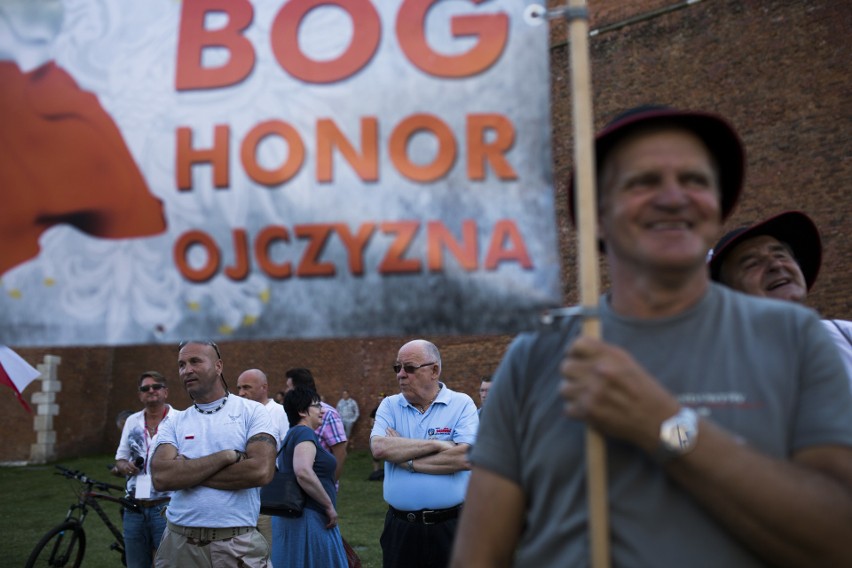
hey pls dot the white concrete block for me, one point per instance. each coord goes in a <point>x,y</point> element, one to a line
<point>42,453</point>
<point>51,386</point>
<point>43,397</point>
<point>48,437</point>
<point>47,409</point>
<point>43,423</point>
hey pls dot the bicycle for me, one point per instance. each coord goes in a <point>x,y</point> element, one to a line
<point>65,544</point>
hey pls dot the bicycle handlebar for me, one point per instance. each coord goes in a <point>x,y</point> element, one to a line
<point>82,477</point>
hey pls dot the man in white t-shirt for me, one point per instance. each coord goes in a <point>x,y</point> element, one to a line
<point>253,385</point>
<point>779,258</point>
<point>143,529</point>
<point>214,457</point>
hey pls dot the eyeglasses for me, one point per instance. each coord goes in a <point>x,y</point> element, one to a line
<point>316,405</point>
<point>202,342</point>
<point>155,386</point>
<point>409,369</point>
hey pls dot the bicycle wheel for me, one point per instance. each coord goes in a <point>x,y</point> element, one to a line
<point>63,545</point>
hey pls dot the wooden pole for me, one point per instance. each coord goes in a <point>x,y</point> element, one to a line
<point>585,209</point>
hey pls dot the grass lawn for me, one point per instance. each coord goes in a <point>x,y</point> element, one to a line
<point>35,500</point>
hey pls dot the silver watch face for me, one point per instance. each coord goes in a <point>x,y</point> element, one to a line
<point>679,432</point>
<point>676,438</point>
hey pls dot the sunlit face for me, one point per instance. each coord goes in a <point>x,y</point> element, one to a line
<point>418,386</point>
<point>660,201</point>
<point>483,391</point>
<point>156,394</point>
<point>252,387</point>
<point>764,266</point>
<point>199,368</point>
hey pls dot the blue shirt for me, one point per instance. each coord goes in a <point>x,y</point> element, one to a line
<point>451,417</point>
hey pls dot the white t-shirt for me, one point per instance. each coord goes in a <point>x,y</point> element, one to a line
<point>842,339</point>
<point>135,441</point>
<point>195,435</point>
<point>279,420</point>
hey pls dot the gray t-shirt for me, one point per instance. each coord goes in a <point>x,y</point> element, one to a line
<point>763,369</point>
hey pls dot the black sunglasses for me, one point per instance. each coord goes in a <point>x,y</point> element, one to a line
<point>202,342</point>
<point>410,369</point>
<point>155,386</point>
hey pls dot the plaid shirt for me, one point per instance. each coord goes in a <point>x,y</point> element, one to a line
<point>330,432</point>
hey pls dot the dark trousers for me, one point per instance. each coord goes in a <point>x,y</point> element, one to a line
<point>415,545</point>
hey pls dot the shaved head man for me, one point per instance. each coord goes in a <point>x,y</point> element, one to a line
<point>253,385</point>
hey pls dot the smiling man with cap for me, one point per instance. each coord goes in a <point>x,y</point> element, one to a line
<point>779,258</point>
<point>726,418</point>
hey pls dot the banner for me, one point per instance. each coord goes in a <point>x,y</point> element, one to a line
<point>273,169</point>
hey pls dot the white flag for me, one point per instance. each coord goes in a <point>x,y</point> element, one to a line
<point>16,373</point>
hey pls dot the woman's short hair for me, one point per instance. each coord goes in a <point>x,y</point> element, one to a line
<point>298,400</point>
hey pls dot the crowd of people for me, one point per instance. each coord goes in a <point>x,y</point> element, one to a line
<point>725,406</point>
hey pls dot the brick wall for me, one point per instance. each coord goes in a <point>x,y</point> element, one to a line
<point>777,69</point>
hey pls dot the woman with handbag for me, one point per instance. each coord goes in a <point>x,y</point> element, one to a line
<point>312,539</point>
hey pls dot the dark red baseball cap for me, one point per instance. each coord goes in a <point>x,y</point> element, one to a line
<point>717,134</point>
<point>793,228</point>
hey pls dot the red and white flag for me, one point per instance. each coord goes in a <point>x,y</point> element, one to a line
<point>16,373</point>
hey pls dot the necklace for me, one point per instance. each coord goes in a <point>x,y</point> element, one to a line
<point>423,409</point>
<point>215,410</point>
<point>152,430</point>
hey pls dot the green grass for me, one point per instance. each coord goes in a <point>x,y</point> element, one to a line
<point>35,500</point>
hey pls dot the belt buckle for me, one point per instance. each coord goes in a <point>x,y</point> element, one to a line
<point>411,517</point>
<point>425,522</point>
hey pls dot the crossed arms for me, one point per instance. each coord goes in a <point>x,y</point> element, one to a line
<point>434,457</point>
<point>225,469</point>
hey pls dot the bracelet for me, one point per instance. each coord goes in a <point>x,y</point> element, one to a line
<point>411,465</point>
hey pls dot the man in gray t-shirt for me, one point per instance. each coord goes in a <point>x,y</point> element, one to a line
<point>727,420</point>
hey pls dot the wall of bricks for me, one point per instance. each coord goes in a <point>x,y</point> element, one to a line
<point>777,69</point>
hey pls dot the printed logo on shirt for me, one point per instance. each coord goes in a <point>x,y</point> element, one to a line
<point>445,431</point>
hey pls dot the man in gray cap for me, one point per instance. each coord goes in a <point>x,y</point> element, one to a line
<point>727,419</point>
<point>779,258</point>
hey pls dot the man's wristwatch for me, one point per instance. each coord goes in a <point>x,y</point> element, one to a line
<point>678,435</point>
<point>411,466</point>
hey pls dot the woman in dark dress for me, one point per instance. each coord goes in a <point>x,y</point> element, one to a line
<point>314,538</point>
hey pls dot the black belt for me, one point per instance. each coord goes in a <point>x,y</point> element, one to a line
<point>148,503</point>
<point>427,516</point>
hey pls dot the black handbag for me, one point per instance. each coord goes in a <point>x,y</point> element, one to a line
<point>283,497</point>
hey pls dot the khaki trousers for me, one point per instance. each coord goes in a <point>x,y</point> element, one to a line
<point>177,551</point>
